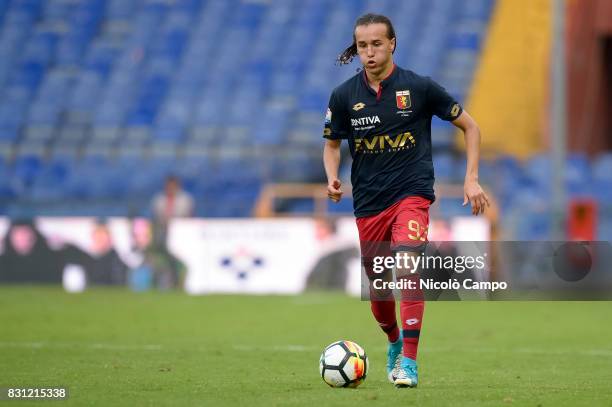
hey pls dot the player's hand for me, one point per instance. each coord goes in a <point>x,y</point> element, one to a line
<point>333,190</point>
<point>473,193</point>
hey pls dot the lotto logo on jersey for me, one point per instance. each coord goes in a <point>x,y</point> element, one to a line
<point>402,97</point>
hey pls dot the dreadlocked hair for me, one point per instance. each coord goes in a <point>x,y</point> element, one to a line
<point>350,52</point>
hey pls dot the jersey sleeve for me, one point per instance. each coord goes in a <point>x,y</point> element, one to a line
<point>336,120</point>
<point>441,103</point>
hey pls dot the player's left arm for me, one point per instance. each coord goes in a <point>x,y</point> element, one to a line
<point>472,191</point>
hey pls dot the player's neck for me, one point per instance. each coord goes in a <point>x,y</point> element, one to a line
<point>374,79</point>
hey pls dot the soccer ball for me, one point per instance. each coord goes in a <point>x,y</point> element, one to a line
<point>343,364</point>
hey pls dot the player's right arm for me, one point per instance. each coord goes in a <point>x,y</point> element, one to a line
<point>337,128</point>
<point>331,161</point>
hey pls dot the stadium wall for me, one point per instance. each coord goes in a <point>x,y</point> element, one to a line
<point>589,46</point>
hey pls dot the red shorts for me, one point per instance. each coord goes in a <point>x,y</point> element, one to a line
<point>403,225</point>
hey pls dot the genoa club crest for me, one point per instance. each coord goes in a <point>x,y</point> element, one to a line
<point>402,98</point>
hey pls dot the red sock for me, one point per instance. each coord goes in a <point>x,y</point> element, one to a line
<point>412,317</point>
<point>384,312</point>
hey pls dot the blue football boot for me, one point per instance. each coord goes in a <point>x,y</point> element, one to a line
<point>394,358</point>
<point>407,375</point>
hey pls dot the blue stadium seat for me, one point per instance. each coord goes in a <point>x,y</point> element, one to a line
<point>602,179</point>
<point>121,9</point>
<point>444,167</point>
<point>539,170</point>
<point>139,74</point>
<point>602,167</point>
<point>26,168</point>
<point>578,175</point>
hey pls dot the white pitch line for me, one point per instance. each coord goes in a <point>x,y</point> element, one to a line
<point>94,346</point>
<point>587,352</point>
<point>275,348</point>
<point>534,351</point>
<point>303,348</point>
<point>560,352</point>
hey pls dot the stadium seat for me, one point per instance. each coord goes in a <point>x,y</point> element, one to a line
<point>602,167</point>
<point>97,86</point>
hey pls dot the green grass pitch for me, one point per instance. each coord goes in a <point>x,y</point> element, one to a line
<point>113,347</point>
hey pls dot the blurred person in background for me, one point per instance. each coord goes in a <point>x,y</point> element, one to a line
<point>172,202</point>
<point>105,266</point>
<point>27,258</point>
<point>331,269</point>
<point>155,265</point>
<point>385,112</point>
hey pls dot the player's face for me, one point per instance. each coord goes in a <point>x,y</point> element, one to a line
<point>375,49</point>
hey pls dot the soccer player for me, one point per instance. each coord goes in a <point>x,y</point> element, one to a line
<point>385,112</point>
